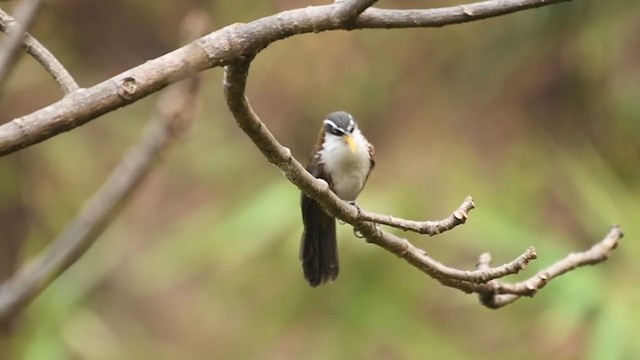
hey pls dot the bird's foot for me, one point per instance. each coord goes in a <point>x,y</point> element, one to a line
<point>356,233</point>
<point>353,203</point>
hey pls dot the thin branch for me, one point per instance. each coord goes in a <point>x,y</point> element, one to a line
<point>374,18</point>
<point>464,280</point>
<point>174,114</point>
<point>503,294</point>
<point>430,228</point>
<point>9,50</point>
<point>40,53</point>
<point>222,47</point>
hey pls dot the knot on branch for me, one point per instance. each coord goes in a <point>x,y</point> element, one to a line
<point>127,87</point>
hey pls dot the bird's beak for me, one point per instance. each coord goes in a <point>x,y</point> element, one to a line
<point>349,140</point>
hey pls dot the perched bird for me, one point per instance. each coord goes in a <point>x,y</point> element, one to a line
<point>343,158</point>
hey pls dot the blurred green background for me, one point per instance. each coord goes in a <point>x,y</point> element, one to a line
<point>536,115</point>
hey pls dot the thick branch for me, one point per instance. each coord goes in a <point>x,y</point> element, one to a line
<point>9,50</point>
<point>223,47</point>
<point>174,114</point>
<point>41,55</point>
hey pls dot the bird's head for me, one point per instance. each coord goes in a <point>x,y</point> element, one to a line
<point>341,124</point>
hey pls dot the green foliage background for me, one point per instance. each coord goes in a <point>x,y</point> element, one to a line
<point>534,114</point>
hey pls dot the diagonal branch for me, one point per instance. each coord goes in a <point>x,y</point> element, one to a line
<point>174,114</point>
<point>40,53</point>
<point>223,47</point>
<point>9,50</point>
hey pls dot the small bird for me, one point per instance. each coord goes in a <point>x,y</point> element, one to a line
<point>344,159</point>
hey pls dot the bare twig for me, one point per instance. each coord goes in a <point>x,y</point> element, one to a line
<point>504,294</point>
<point>431,228</point>
<point>41,55</point>
<point>9,50</point>
<point>222,47</point>
<point>174,114</point>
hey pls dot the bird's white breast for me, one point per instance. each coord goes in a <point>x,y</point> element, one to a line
<point>348,170</point>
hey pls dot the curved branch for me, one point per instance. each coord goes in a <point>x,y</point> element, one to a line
<point>234,87</point>
<point>9,50</point>
<point>40,53</point>
<point>222,47</point>
<point>482,281</point>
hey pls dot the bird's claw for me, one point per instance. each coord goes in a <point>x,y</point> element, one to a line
<point>353,203</point>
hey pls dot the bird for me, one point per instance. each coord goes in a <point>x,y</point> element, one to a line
<point>343,158</point>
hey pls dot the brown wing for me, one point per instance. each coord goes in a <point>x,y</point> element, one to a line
<point>372,151</point>
<point>371,161</point>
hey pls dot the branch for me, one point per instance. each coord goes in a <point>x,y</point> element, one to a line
<point>482,281</point>
<point>9,49</point>
<point>468,281</point>
<point>222,47</point>
<point>596,254</point>
<point>174,114</point>
<point>430,228</point>
<point>41,55</point>
<point>374,18</point>
<point>235,46</point>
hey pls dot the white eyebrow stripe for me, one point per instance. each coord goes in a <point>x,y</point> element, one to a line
<point>331,123</point>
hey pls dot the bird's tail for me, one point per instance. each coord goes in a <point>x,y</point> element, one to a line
<point>318,246</point>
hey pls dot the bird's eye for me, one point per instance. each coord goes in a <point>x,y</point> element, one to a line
<point>336,132</point>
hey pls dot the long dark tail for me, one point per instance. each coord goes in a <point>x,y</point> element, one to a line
<point>318,246</point>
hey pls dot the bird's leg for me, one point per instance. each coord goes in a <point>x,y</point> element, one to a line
<point>356,233</point>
